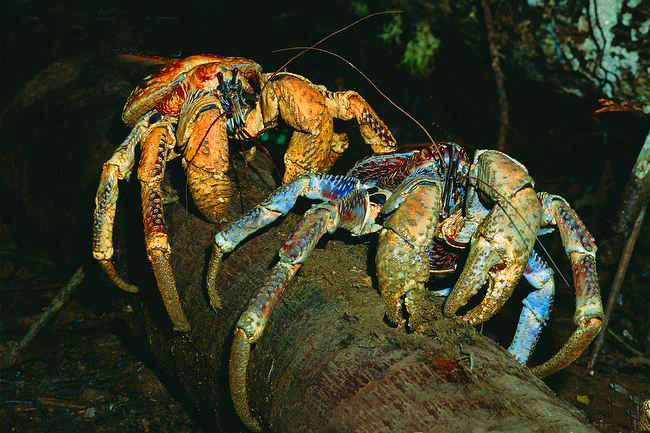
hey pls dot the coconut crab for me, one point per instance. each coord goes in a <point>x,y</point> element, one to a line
<point>426,204</point>
<point>190,109</point>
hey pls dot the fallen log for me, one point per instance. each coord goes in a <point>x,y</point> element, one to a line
<point>327,361</point>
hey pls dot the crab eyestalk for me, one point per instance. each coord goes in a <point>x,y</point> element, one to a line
<point>235,101</point>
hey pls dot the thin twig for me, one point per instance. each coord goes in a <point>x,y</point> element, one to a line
<point>57,402</point>
<point>498,76</point>
<point>616,286</point>
<point>17,256</point>
<point>13,353</point>
<point>624,343</point>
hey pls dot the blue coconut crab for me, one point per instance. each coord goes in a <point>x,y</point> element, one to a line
<point>426,204</point>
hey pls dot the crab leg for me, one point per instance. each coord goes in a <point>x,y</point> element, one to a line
<point>352,211</point>
<point>503,241</point>
<point>156,144</point>
<point>581,249</point>
<point>314,186</point>
<point>536,310</point>
<point>309,109</point>
<point>117,168</point>
<point>302,106</point>
<point>348,105</point>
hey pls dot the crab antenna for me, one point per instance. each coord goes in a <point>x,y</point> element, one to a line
<point>393,103</point>
<point>263,148</point>
<point>326,38</point>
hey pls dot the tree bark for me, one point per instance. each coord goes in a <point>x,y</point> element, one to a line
<point>327,361</point>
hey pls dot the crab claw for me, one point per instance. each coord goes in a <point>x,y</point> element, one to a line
<point>503,241</point>
<point>402,260</point>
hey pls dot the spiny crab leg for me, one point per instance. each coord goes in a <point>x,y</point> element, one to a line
<point>314,186</point>
<point>351,209</point>
<point>581,249</point>
<point>157,143</point>
<point>117,168</point>
<point>503,241</point>
<point>252,322</point>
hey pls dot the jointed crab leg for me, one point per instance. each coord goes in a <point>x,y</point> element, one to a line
<point>252,322</point>
<point>350,105</point>
<point>309,109</point>
<point>536,310</point>
<point>581,249</point>
<point>350,209</point>
<point>315,186</point>
<point>117,168</point>
<point>157,142</point>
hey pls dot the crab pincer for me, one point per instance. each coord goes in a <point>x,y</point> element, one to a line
<point>503,241</point>
<point>402,259</point>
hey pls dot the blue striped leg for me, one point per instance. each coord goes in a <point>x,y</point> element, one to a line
<point>537,307</point>
<point>352,212</point>
<point>315,186</point>
<point>442,293</point>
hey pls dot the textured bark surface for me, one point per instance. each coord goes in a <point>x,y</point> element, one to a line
<point>327,362</point>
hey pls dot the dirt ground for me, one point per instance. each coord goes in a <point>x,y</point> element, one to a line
<point>77,375</point>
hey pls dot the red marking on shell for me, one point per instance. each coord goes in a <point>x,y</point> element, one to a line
<point>208,72</point>
<point>443,366</point>
<point>498,267</point>
<point>156,88</point>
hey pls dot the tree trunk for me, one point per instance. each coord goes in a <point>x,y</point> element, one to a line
<point>327,361</point>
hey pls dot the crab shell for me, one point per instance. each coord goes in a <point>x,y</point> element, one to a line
<point>167,89</point>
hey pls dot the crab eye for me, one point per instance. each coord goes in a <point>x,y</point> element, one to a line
<point>220,77</point>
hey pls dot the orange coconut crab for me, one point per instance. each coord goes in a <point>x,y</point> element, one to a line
<point>190,109</point>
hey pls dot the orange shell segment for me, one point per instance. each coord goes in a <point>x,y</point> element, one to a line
<point>156,87</point>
